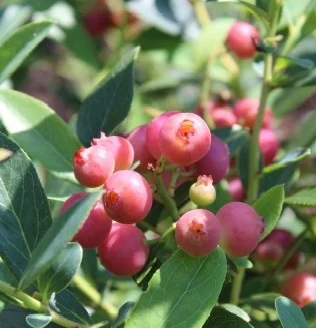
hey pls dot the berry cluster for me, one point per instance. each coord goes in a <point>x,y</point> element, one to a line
<point>177,147</point>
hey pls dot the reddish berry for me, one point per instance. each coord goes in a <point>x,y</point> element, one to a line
<point>198,232</point>
<point>184,138</point>
<point>97,225</point>
<point>203,192</point>
<point>121,149</point>
<point>138,139</point>
<point>92,166</point>
<point>300,288</point>
<point>97,21</point>
<point>242,40</point>
<point>246,111</point>
<point>215,162</point>
<point>223,118</point>
<point>269,145</point>
<point>153,131</point>
<point>124,252</point>
<point>241,228</point>
<point>128,198</point>
<point>236,189</point>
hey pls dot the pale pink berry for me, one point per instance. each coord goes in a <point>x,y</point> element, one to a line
<point>269,145</point>
<point>121,149</point>
<point>198,232</point>
<point>236,189</point>
<point>246,112</point>
<point>242,40</point>
<point>300,288</point>
<point>184,138</point>
<point>241,228</point>
<point>97,225</point>
<point>93,165</point>
<point>138,139</point>
<point>124,252</point>
<point>128,197</point>
<point>215,162</point>
<point>153,131</point>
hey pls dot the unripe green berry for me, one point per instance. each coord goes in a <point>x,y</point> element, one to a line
<point>202,192</point>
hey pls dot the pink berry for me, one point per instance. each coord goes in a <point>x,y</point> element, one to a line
<point>97,225</point>
<point>300,288</point>
<point>246,111</point>
<point>241,228</point>
<point>223,118</point>
<point>128,197</point>
<point>236,189</point>
<point>121,149</point>
<point>269,145</point>
<point>242,40</point>
<point>202,192</point>
<point>93,165</point>
<point>198,232</point>
<point>153,131</point>
<point>184,138</point>
<point>124,252</point>
<point>215,162</point>
<point>138,139</point>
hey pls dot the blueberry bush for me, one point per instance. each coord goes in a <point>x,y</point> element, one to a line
<point>157,164</point>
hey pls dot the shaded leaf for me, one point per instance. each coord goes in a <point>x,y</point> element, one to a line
<point>13,317</point>
<point>221,318</point>
<point>109,104</point>
<point>289,313</point>
<point>70,308</point>
<point>59,275</point>
<point>181,292</point>
<point>61,231</point>
<point>38,130</point>
<point>24,211</point>
<point>269,207</point>
<point>234,136</point>
<point>305,197</point>
<point>19,45</point>
<point>124,311</point>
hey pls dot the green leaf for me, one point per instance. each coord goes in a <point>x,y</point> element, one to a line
<point>61,231</point>
<point>235,137</point>
<point>283,170</point>
<point>305,197</point>
<point>221,318</point>
<point>289,313</point>
<point>11,18</point>
<point>236,310</point>
<point>69,307</point>
<point>37,320</point>
<point>242,262</point>
<point>181,293</point>
<point>269,207</point>
<point>109,104</point>
<point>257,12</point>
<point>124,311</point>
<point>38,130</point>
<point>19,45</point>
<point>59,275</point>
<point>306,134</point>
<point>24,211</point>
